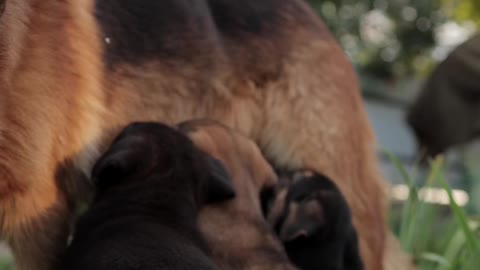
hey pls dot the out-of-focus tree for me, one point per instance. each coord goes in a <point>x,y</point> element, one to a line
<point>391,38</point>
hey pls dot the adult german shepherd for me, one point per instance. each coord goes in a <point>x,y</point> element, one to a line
<point>74,72</point>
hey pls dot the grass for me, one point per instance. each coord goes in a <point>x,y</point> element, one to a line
<point>5,264</point>
<point>439,238</point>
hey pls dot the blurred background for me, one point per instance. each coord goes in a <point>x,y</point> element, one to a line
<point>396,45</point>
<point>420,60</point>
<point>412,59</point>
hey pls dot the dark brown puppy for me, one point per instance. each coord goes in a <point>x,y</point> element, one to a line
<point>151,184</point>
<point>313,220</point>
<point>236,230</point>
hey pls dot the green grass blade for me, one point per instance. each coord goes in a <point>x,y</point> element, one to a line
<point>401,169</point>
<point>435,258</point>
<point>409,209</point>
<point>461,218</point>
<point>453,249</point>
<point>419,210</point>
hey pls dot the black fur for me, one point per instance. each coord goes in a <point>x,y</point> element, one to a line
<point>151,183</point>
<point>139,30</point>
<point>329,242</point>
<point>199,32</point>
<point>237,18</point>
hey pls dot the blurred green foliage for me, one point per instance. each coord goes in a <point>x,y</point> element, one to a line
<point>391,38</point>
<point>465,10</point>
<point>6,264</point>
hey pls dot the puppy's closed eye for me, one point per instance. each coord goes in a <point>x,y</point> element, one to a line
<point>220,186</point>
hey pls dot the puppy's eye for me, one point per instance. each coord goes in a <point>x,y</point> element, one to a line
<point>266,197</point>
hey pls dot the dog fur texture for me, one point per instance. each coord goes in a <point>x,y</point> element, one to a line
<point>73,73</point>
<point>235,230</point>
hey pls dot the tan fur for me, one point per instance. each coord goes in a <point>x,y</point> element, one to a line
<point>58,106</point>
<point>40,69</point>
<point>236,230</point>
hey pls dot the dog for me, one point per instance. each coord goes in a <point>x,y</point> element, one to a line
<point>239,236</point>
<point>151,183</point>
<point>74,73</point>
<point>313,221</point>
<point>444,115</point>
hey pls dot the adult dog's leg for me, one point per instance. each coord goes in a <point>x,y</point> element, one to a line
<point>37,237</point>
<point>36,218</point>
<point>36,203</point>
<point>314,119</point>
<point>50,109</point>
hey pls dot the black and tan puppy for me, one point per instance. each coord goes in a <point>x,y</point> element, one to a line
<point>313,220</point>
<point>151,183</point>
<point>238,234</point>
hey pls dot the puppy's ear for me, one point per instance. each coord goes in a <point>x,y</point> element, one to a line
<point>219,186</point>
<point>115,166</point>
<point>302,220</point>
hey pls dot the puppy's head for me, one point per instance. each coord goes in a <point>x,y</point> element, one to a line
<point>308,205</point>
<point>158,156</point>
<point>237,231</point>
<point>240,155</point>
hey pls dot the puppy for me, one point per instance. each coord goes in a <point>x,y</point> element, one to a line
<point>150,185</point>
<point>313,220</point>
<point>236,231</point>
